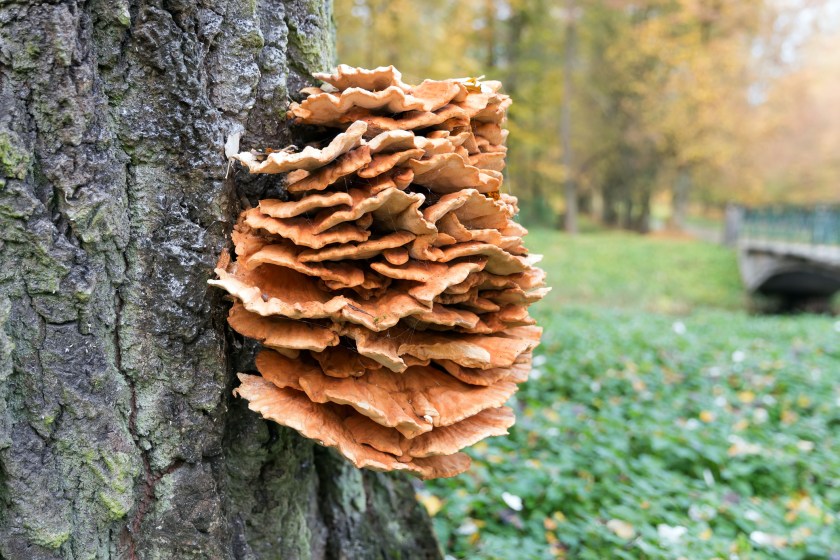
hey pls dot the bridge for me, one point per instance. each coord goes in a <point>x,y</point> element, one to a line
<point>792,253</point>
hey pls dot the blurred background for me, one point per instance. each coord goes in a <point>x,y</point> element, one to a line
<point>685,142</point>
<point>655,111</point>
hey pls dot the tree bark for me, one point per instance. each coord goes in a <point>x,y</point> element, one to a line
<point>119,437</point>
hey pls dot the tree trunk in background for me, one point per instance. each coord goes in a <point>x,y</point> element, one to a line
<point>679,205</point>
<point>566,120</point>
<point>490,18</point>
<point>610,195</point>
<point>118,434</point>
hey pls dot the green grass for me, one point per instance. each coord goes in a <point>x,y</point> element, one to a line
<point>707,434</point>
<point>625,270</point>
<point>713,223</point>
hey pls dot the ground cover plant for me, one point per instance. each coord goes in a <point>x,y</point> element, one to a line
<point>661,421</point>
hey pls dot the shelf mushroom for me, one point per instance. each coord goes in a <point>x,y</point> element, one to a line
<point>390,291</point>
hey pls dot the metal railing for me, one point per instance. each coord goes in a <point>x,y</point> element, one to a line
<point>817,225</point>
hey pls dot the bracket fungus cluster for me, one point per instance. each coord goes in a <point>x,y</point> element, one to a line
<point>390,289</point>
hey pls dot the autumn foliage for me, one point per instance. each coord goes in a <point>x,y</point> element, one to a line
<point>675,104</point>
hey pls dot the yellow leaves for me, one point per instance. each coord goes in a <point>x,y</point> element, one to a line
<point>470,528</point>
<point>473,85</point>
<point>432,503</point>
<point>800,504</point>
<point>746,397</point>
<point>551,523</point>
<point>788,417</point>
<point>622,529</point>
<point>742,447</point>
<point>741,425</point>
<point>707,416</point>
<point>535,464</point>
<point>706,534</point>
<point>558,551</point>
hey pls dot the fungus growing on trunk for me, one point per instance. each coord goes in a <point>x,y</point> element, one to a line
<point>390,291</point>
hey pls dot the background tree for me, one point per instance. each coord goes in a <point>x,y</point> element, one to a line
<point>798,159</point>
<point>676,102</point>
<point>118,434</point>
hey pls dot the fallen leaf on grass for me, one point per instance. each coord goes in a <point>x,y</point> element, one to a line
<point>432,503</point>
<point>622,529</point>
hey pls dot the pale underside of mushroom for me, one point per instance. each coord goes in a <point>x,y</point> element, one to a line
<point>325,108</point>
<point>372,80</point>
<point>257,250</point>
<point>415,402</point>
<point>328,425</point>
<point>346,164</point>
<point>449,117</point>
<point>277,291</point>
<point>309,158</point>
<point>396,349</point>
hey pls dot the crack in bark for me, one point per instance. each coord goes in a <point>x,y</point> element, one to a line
<point>127,537</point>
<point>146,500</point>
<point>150,477</point>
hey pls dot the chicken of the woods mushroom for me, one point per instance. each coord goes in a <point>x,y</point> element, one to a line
<point>390,288</point>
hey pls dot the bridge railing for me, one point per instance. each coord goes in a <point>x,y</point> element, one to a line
<point>818,225</point>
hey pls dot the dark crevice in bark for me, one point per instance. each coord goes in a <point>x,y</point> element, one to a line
<point>147,497</point>
<point>127,541</point>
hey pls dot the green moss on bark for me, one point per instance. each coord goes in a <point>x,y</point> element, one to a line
<point>14,158</point>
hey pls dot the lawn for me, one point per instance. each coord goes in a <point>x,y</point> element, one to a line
<point>625,270</point>
<point>660,421</point>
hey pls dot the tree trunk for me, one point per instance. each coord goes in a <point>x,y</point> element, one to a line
<point>119,437</point>
<point>679,204</point>
<point>609,209</point>
<point>570,190</point>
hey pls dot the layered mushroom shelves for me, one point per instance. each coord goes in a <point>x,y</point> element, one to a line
<point>390,290</point>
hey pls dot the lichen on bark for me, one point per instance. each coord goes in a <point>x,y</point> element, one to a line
<point>118,434</point>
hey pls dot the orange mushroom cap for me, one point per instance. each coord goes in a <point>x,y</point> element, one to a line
<point>391,291</point>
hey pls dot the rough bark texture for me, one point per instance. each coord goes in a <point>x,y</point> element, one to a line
<point>118,435</point>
